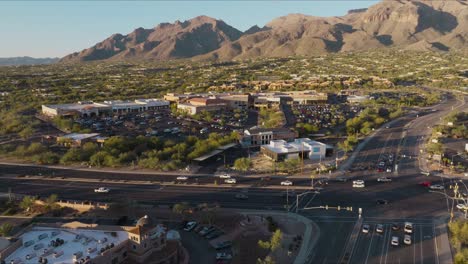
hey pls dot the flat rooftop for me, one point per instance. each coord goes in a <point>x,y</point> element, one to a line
<point>79,136</point>
<point>87,239</point>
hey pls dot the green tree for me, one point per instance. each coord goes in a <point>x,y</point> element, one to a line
<point>27,203</point>
<point>5,229</point>
<point>50,203</point>
<point>242,164</point>
<point>26,133</point>
<point>181,209</point>
<point>275,241</point>
<point>267,260</point>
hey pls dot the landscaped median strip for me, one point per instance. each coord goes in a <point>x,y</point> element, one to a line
<point>133,182</point>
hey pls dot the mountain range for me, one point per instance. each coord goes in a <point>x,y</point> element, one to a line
<point>412,25</point>
<point>15,61</point>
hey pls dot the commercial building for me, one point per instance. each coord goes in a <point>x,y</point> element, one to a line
<point>75,242</point>
<point>307,97</point>
<point>199,104</point>
<point>82,108</point>
<point>238,101</point>
<point>357,98</point>
<point>90,109</point>
<point>77,139</point>
<point>262,136</point>
<point>280,150</point>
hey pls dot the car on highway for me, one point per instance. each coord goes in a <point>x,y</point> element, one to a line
<point>408,228</point>
<point>225,176</point>
<point>425,183</point>
<point>223,255</point>
<point>382,201</point>
<point>436,187</point>
<point>182,178</point>
<point>286,183</point>
<point>340,179</point>
<point>462,206</point>
<point>384,179</point>
<point>365,228</point>
<point>190,226</point>
<point>358,184</point>
<point>379,228</point>
<point>395,241</point>
<point>231,181</point>
<point>241,196</point>
<point>407,240</point>
<point>102,190</point>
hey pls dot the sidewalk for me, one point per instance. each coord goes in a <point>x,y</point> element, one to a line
<point>310,237</point>
<point>442,242</point>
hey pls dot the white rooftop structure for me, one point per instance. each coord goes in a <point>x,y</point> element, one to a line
<point>88,242</point>
<point>311,148</point>
<point>80,136</point>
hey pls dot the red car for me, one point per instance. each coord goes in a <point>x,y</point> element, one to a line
<point>425,183</point>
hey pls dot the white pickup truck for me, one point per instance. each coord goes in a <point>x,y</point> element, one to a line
<point>102,190</point>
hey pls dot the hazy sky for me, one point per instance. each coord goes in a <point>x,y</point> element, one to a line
<point>57,28</point>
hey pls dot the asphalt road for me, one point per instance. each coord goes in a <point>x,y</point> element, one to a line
<point>407,200</point>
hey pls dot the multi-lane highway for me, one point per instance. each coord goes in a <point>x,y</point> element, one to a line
<point>397,145</point>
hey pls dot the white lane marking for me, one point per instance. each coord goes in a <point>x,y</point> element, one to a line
<point>386,230</point>
<point>414,246</point>
<point>388,244</point>
<point>370,245</point>
<point>435,242</point>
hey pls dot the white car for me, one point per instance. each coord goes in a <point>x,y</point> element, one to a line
<point>408,228</point>
<point>230,181</point>
<point>384,179</point>
<point>286,183</point>
<point>365,229</point>
<point>389,170</point>
<point>182,178</point>
<point>190,226</point>
<point>102,190</point>
<point>225,176</point>
<point>358,184</point>
<point>436,187</point>
<point>462,206</point>
<point>379,228</point>
<point>395,241</point>
<point>223,255</point>
<point>407,240</point>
